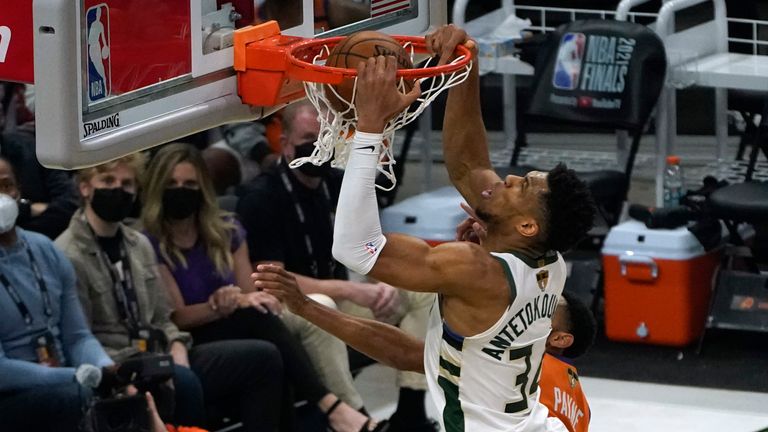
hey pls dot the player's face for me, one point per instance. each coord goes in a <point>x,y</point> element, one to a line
<point>515,196</point>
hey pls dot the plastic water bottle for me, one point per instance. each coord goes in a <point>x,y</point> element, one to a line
<point>673,182</point>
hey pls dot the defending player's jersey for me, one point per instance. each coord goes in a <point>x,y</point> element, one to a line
<point>489,382</point>
<point>561,391</point>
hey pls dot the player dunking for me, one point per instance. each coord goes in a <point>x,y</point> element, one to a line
<point>489,325</point>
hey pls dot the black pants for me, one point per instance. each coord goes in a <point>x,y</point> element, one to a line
<point>56,408</point>
<point>252,324</point>
<point>244,376</point>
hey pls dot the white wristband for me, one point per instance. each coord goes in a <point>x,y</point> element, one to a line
<point>357,237</point>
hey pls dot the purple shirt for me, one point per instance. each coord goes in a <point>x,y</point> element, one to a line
<point>199,279</point>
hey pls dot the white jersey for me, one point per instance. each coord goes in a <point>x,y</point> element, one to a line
<point>489,382</point>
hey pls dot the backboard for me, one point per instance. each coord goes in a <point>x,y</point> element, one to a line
<point>116,76</point>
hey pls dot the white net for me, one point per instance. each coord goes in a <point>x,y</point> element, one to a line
<point>337,127</point>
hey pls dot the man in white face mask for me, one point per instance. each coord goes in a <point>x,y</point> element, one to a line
<point>43,336</point>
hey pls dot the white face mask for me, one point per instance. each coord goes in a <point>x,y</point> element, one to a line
<point>9,211</point>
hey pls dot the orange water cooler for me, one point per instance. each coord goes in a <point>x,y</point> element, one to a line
<point>658,284</point>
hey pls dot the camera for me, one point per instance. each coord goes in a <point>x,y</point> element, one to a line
<point>109,411</point>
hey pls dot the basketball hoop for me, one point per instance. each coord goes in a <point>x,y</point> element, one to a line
<point>303,61</point>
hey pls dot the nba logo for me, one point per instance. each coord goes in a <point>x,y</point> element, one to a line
<point>99,63</point>
<point>568,66</point>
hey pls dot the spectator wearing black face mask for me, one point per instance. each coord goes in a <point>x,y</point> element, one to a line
<point>287,213</point>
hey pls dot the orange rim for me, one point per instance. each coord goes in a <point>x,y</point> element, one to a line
<point>302,54</point>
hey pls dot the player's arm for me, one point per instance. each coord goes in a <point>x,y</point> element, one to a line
<point>382,342</point>
<point>358,242</point>
<point>449,268</point>
<point>465,143</point>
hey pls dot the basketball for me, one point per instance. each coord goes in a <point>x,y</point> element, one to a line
<point>356,48</point>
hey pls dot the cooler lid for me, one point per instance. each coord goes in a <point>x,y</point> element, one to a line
<point>633,237</point>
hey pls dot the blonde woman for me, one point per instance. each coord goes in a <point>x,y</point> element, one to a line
<point>204,264</point>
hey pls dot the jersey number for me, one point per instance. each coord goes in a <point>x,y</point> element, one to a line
<point>522,379</point>
<point>5,42</point>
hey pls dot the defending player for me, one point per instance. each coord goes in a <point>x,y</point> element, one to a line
<point>489,325</point>
<point>573,332</point>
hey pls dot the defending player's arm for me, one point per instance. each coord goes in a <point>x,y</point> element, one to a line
<point>385,343</point>
<point>465,144</point>
<point>358,242</point>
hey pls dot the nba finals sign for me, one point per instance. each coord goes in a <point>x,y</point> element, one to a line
<point>602,72</point>
<point>596,64</point>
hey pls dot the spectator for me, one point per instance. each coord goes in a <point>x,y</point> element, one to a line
<point>126,305</point>
<point>288,216</point>
<point>204,265</point>
<point>47,197</point>
<point>43,335</point>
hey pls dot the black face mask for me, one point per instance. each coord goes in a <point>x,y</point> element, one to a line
<point>112,205</point>
<point>181,202</point>
<point>310,169</point>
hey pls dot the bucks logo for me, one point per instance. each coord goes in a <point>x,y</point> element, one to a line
<point>542,278</point>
